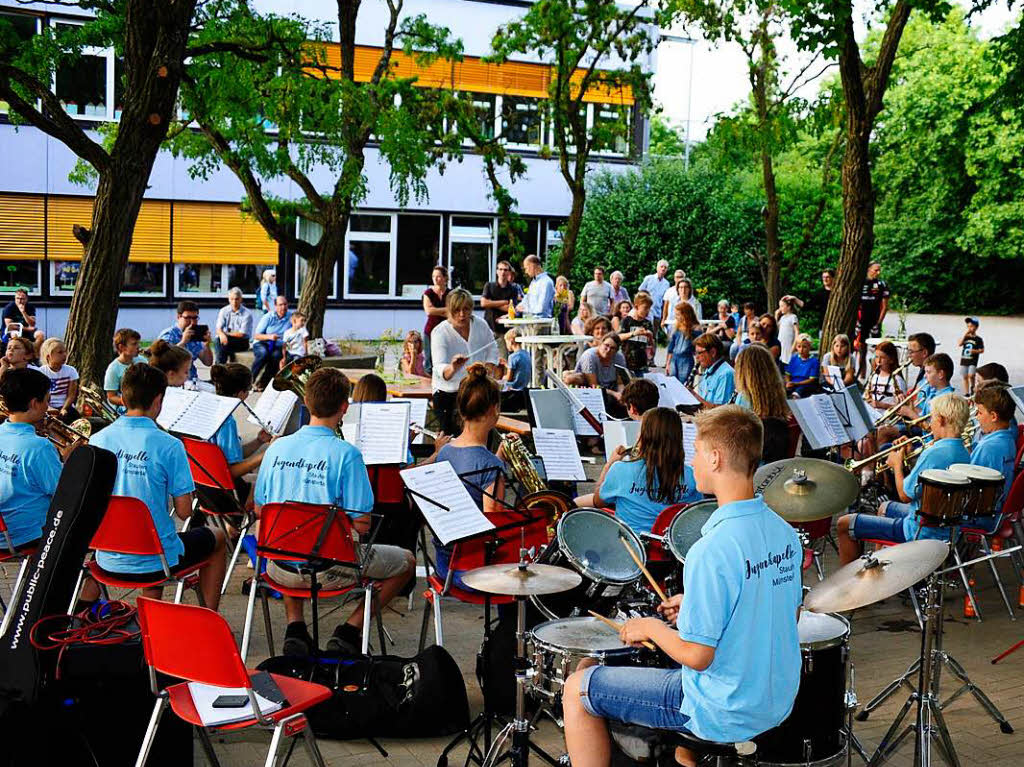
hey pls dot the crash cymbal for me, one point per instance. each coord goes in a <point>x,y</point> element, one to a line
<point>876,576</point>
<point>806,489</point>
<point>522,580</point>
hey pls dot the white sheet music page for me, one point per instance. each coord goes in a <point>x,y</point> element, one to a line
<point>618,433</point>
<point>593,400</point>
<point>836,377</point>
<point>689,442</point>
<point>274,408</point>
<point>833,425</point>
<point>671,391</point>
<point>436,485</point>
<point>176,400</point>
<point>383,432</point>
<point>205,415</point>
<point>417,415</point>
<point>561,456</point>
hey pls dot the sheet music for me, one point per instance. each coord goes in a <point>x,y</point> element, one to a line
<point>195,413</point>
<point>561,456</point>
<point>383,435</point>
<point>176,400</point>
<point>671,391</point>
<point>835,375</point>
<point>417,415</point>
<point>439,483</point>
<point>593,400</point>
<point>830,419</point>
<point>689,442</point>
<point>1017,393</point>
<point>203,696</point>
<point>618,433</point>
<point>274,408</point>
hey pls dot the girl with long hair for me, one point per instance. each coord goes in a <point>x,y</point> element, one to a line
<point>838,356</point>
<point>235,380</point>
<point>679,359</point>
<point>759,389</point>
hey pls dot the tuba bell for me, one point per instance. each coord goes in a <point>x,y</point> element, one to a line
<point>294,376</point>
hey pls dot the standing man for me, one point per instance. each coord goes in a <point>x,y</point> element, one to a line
<point>184,333</point>
<point>540,295</point>
<point>657,286</point>
<point>619,293</point>
<point>268,343</point>
<point>496,299</point>
<point>874,303</point>
<point>598,293</point>
<point>234,328</point>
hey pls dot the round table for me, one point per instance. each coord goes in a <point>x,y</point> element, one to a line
<point>527,325</point>
<point>554,347</point>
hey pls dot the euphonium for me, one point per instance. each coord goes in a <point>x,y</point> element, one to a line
<point>63,436</point>
<point>520,463</point>
<point>294,376</point>
<point>93,402</point>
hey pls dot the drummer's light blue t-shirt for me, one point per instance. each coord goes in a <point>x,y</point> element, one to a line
<point>940,454</point>
<point>743,587</point>
<point>29,470</point>
<point>625,486</point>
<point>153,467</point>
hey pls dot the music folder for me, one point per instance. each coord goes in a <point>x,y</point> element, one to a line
<point>195,413</point>
<point>832,419</point>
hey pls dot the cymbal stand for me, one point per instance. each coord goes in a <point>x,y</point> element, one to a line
<point>852,741</point>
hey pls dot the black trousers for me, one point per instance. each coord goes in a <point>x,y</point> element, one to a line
<point>446,412</point>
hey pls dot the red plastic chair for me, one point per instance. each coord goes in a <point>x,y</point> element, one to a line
<point>127,528</point>
<point>215,494</point>
<point>294,532</point>
<point>11,554</point>
<point>170,635</point>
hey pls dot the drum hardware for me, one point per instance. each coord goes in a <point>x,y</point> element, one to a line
<point>806,489</point>
<point>854,466</point>
<point>643,569</point>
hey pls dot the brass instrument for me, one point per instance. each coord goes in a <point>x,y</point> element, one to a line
<point>520,464</point>
<point>893,412</point>
<point>852,465</point>
<point>59,433</point>
<point>294,376</point>
<point>92,402</point>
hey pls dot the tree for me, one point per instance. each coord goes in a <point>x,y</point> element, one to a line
<point>152,39</point>
<point>591,45</point>
<point>300,112</point>
<point>666,139</point>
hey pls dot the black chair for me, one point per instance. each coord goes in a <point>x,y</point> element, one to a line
<point>711,754</point>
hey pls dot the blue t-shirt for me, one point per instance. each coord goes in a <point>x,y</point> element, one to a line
<point>801,369</point>
<point>475,458</point>
<point>928,393</point>
<point>717,384</point>
<point>173,335</point>
<point>940,454</point>
<point>997,450</point>
<point>742,583</point>
<point>115,374</point>
<point>657,287</point>
<point>625,486</point>
<point>522,368</point>
<point>227,439</point>
<point>29,469</point>
<point>271,324</point>
<point>314,466</point>
<point>153,467</point>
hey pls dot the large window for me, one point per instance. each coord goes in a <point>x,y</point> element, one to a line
<point>21,26</point>
<point>86,88</point>
<point>522,121</point>
<point>18,275</point>
<point>215,279</point>
<point>311,232</point>
<point>140,279</point>
<point>471,244</point>
<point>529,239</point>
<point>368,255</point>
<point>485,107</point>
<point>610,128</point>
<point>554,235</point>
<point>419,249</point>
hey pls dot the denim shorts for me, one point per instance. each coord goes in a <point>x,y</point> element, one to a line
<point>650,697</point>
<point>887,528</point>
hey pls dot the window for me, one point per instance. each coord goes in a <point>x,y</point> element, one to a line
<point>140,279</point>
<point>368,255</point>
<point>522,123</point>
<point>419,250</point>
<point>214,279</point>
<point>15,275</point>
<point>311,232</point>
<point>471,252</point>
<point>86,86</point>
<point>529,238</point>
<point>485,107</point>
<point>22,27</point>
<point>610,129</point>
<point>554,235</point>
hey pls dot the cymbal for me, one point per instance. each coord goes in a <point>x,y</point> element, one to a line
<point>874,577</point>
<point>522,581</point>
<point>806,489</point>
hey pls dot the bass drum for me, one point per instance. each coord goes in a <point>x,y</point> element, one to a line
<point>813,732</point>
<point>590,541</point>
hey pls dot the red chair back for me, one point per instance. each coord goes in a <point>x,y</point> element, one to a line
<point>191,643</point>
<point>298,528</point>
<point>387,484</point>
<point>1014,503</point>
<point>208,466</point>
<point>656,550</point>
<point>127,528</point>
<point>472,554</point>
<point>5,538</point>
<point>1020,438</point>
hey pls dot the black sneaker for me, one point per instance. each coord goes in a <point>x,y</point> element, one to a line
<point>346,640</point>
<point>297,641</point>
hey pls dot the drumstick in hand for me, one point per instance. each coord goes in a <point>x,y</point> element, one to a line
<point>650,578</point>
<point>618,627</point>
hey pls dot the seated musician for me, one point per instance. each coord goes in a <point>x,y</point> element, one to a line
<point>736,637</point>
<point>920,346</point>
<point>997,446</point>
<point>641,482</point>
<point>760,390</point>
<point>992,373</point>
<point>717,384</point>
<point>884,389</point>
<point>126,344</point>
<point>29,464</point>
<point>639,396</point>
<point>897,520</point>
<point>173,361</point>
<point>285,475</point>
<point>938,369</point>
<point>235,380</point>
<point>152,466</point>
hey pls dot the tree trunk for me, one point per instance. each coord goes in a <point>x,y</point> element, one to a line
<point>773,243</point>
<point>762,77</point>
<point>572,230</point>
<point>317,285</point>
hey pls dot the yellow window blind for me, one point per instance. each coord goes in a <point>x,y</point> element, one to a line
<point>219,233</point>
<point>22,235</point>
<point>151,242</point>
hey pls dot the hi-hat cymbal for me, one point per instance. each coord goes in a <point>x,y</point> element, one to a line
<point>522,581</point>
<point>873,578</point>
<point>806,489</point>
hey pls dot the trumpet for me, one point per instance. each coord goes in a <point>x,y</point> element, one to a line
<point>59,433</point>
<point>893,412</point>
<point>852,465</point>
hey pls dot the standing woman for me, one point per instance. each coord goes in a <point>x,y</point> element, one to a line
<point>434,307</point>
<point>679,356</point>
<point>789,328</point>
<point>838,356</point>
<point>565,301</point>
<point>457,342</point>
<point>268,290</point>
<point>759,389</point>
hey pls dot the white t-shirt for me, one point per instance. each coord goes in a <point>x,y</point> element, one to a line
<point>445,343</point>
<point>60,382</point>
<point>295,340</point>
<point>787,334</point>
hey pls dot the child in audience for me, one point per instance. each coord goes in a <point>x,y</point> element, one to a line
<point>517,377</point>
<point>19,355</point>
<point>63,379</point>
<point>971,348</point>
<point>802,369</point>
<point>126,344</point>
<point>839,356</point>
<point>412,355</point>
<point>295,340</point>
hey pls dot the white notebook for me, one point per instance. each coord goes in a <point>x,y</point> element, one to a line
<point>195,413</point>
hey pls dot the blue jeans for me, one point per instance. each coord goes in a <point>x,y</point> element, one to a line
<point>265,353</point>
<point>428,366</point>
<point>887,528</point>
<point>680,366</point>
<point>650,697</point>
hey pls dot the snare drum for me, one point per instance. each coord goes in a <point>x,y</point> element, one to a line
<point>813,731</point>
<point>590,542</point>
<point>556,647</point>
<point>986,488</point>
<point>944,496</point>
<point>685,529</point>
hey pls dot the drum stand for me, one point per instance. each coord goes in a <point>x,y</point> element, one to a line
<point>929,722</point>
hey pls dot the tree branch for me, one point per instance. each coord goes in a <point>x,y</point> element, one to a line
<point>303,182</point>
<point>242,51</point>
<point>395,9</point>
<point>878,76</point>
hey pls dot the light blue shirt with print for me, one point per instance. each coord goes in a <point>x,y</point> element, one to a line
<point>625,486</point>
<point>940,454</point>
<point>540,297</point>
<point>115,374</point>
<point>657,287</point>
<point>717,384</point>
<point>227,439</point>
<point>742,582</point>
<point>173,335</point>
<point>153,467</point>
<point>271,324</point>
<point>522,368</point>
<point>928,393</point>
<point>997,450</point>
<point>29,470</point>
<point>314,466</point>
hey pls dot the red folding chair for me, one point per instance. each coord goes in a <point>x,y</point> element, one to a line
<point>215,494</point>
<point>9,554</point>
<point>127,528</point>
<point>297,533</point>
<point>171,634</point>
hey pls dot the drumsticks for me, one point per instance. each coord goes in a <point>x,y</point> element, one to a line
<point>618,627</point>
<point>647,575</point>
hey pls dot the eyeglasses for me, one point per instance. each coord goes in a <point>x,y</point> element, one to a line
<point>190,317</point>
<point>701,351</point>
